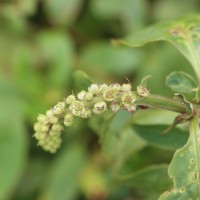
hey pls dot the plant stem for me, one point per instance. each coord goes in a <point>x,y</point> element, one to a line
<point>158,101</point>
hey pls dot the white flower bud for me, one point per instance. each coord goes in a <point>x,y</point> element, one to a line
<point>54,133</point>
<point>103,88</point>
<point>142,91</point>
<point>42,118</point>
<point>54,138</point>
<point>100,107</point>
<point>70,99</point>
<point>77,108</point>
<point>42,143</point>
<point>86,114</point>
<point>53,119</point>
<point>81,95</point>
<point>40,135</point>
<point>109,95</point>
<point>57,127</point>
<point>68,123</point>
<point>89,96</point>
<point>37,135</point>
<point>69,117</point>
<point>130,108</point>
<point>128,99</point>
<point>116,87</point>
<point>49,113</point>
<point>115,106</point>
<point>94,88</point>
<point>37,126</point>
<point>126,87</point>
<point>44,128</point>
<point>59,108</point>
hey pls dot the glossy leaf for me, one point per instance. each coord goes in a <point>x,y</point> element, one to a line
<point>182,33</point>
<point>181,82</point>
<point>184,168</point>
<point>154,135</point>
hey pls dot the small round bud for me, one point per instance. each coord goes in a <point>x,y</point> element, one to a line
<point>49,113</point>
<point>42,143</point>
<point>42,118</point>
<point>40,136</point>
<point>69,117</point>
<point>37,126</point>
<point>126,87</point>
<point>59,108</point>
<point>53,119</point>
<point>54,133</point>
<point>130,108</point>
<point>100,107</point>
<point>115,106</point>
<point>44,128</point>
<point>128,99</point>
<point>94,88</point>
<point>57,127</point>
<point>37,135</point>
<point>116,87</point>
<point>77,108</point>
<point>68,123</point>
<point>109,95</point>
<point>86,114</point>
<point>81,95</point>
<point>70,99</point>
<point>89,96</point>
<point>142,91</point>
<point>54,138</point>
<point>103,88</point>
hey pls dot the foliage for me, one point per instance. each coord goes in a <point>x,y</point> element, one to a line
<point>51,49</point>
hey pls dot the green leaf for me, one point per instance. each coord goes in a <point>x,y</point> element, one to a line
<point>56,53</point>
<point>118,141</point>
<point>82,80</point>
<point>181,82</point>
<point>13,139</point>
<point>62,179</point>
<point>184,168</point>
<point>62,12</point>
<point>153,116</point>
<point>152,179</point>
<point>102,57</point>
<point>153,134</point>
<point>128,11</point>
<point>182,33</point>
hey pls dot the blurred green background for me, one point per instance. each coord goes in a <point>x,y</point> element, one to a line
<point>49,48</point>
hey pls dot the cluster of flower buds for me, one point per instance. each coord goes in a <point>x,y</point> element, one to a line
<point>48,128</point>
<point>96,100</point>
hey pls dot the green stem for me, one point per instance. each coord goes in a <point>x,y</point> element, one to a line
<point>157,101</point>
